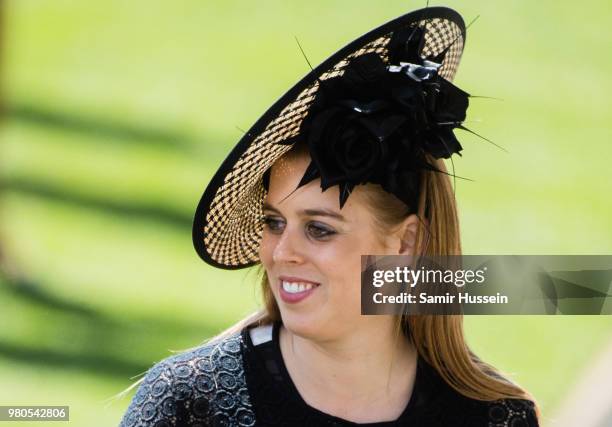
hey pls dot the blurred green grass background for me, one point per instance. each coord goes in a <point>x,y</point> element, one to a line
<point>116,115</point>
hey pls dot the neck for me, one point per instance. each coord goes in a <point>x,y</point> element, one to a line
<point>361,364</point>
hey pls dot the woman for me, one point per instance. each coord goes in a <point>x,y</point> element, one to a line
<point>348,162</point>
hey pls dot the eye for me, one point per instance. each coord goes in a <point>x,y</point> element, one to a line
<point>274,224</point>
<point>318,231</point>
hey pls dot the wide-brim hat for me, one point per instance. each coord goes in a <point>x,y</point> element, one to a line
<point>227,227</point>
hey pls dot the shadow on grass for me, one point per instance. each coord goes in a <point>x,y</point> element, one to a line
<point>122,132</point>
<point>142,211</point>
<point>98,364</point>
<point>74,337</point>
<point>63,333</point>
<point>27,290</point>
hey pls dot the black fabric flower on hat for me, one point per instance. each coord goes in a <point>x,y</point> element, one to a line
<point>376,122</point>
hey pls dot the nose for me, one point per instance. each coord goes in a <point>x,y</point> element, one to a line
<point>287,249</point>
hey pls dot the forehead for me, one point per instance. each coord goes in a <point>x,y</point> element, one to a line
<point>285,176</point>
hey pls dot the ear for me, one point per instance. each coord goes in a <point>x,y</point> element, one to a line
<point>408,233</point>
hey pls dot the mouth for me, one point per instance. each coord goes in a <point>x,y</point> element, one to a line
<point>293,289</point>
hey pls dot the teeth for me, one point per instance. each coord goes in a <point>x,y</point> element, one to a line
<point>296,287</point>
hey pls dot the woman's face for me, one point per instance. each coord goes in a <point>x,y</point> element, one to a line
<point>311,251</point>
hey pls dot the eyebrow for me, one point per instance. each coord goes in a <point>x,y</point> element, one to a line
<point>310,212</point>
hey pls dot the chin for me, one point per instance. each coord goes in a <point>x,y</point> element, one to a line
<point>305,325</point>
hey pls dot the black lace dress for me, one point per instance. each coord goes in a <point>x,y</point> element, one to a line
<point>242,380</point>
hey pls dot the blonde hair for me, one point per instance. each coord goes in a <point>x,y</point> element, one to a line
<point>439,339</point>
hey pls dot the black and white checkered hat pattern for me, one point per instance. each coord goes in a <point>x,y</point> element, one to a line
<point>228,223</point>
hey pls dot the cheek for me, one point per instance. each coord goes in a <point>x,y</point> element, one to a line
<point>341,264</point>
<point>266,248</point>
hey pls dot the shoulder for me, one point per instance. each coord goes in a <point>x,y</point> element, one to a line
<point>449,405</point>
<point>198,386</point>
<point>497,413</point>
<point>512,412</point>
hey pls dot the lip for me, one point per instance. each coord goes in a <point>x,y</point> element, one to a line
<point>295,298</point>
